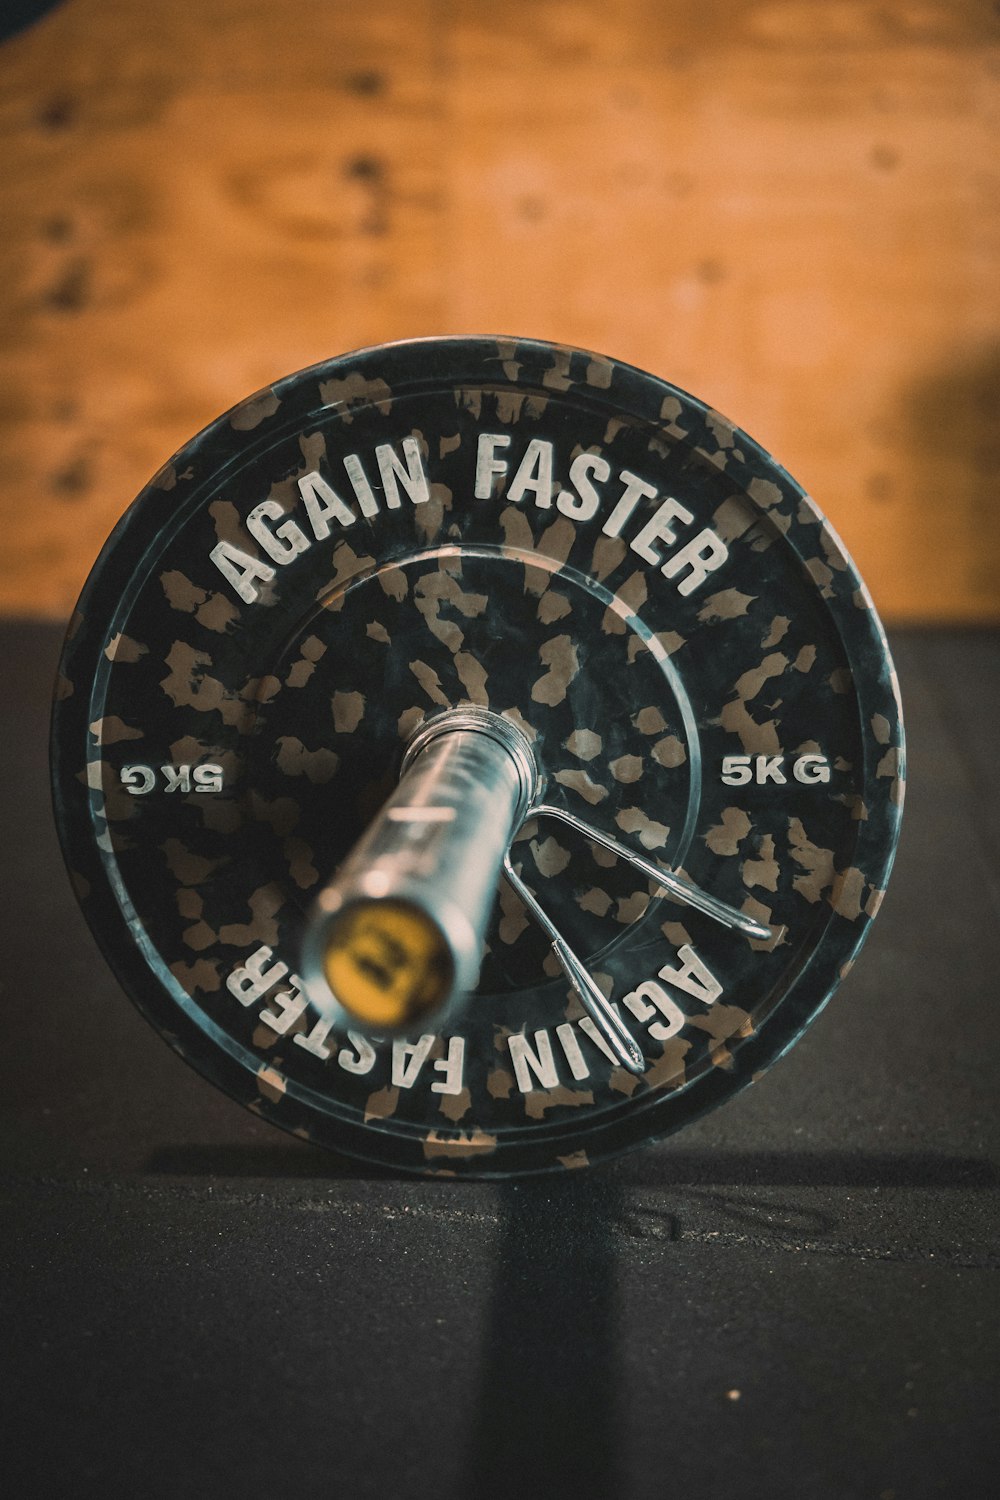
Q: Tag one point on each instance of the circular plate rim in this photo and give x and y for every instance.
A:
(142, 524)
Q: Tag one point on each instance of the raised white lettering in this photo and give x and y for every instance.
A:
(451, 1066)
(408, 472)
(530, 477)
(359, 1057)
(239, 570)
(314, 1041)
(649, 990)
(534, 474)
(284, 1007)
(254, 978)
(811, 769)
(528, 1060)
(208, 778)
(285, 541)
(323, 504)
(659, 529)
(583, 505)
(768, 768)
(137, 780)
(736, 770)
(636, 489)
(571, 1047)
(177, 778)
(407, 1060)
(694, 977)
(487, 463)
(703, 556)
(360, 485)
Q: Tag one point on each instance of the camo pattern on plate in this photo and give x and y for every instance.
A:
(385, 585)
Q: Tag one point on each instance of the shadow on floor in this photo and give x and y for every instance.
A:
(547, 1414)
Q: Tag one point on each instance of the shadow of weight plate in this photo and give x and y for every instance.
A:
(529, 551)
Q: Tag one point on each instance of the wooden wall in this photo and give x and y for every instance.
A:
(789, 207)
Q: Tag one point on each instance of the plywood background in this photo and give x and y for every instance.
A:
(789, 207)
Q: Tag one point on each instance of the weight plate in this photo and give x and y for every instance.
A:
(565, 541)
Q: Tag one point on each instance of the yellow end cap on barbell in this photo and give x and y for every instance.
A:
(387, 963)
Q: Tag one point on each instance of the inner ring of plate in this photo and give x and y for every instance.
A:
(367, 734)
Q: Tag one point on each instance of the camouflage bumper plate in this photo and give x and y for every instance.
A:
(564, 540)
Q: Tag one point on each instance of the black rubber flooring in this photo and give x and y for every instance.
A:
(795, 1297)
